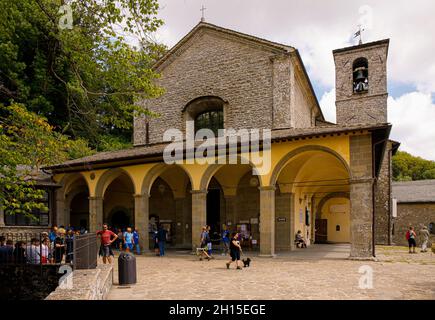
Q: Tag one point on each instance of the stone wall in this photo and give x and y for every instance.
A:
(361, 197)
(383, 225)
(247, 204)
(23, 229)
(28, 282)
(412, 214)
(283, 211)
(213, 65)
(89, 284)
(257, 83)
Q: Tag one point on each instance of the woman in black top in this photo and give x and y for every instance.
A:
(235, 250)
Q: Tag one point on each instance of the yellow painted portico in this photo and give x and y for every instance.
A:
(314, 176)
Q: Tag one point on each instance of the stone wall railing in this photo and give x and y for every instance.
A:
(87, 284)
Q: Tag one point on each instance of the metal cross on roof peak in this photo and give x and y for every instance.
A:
(202, 9)
(359, 34)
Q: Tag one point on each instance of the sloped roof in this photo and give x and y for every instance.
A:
(278, 47)
(206, 25)
(414, 191)
(152, 153)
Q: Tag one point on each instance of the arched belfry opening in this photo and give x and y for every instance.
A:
(360, 75)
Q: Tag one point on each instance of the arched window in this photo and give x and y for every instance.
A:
(432, 228)
(207, 113)
(213, 120)
(360, 75)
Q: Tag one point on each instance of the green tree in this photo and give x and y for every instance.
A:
(86, 80)
(407, 167)
(28, 142)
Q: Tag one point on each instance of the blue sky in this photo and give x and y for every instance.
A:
(316, 28)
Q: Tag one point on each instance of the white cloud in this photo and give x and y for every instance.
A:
(412, 116)
(413, 119)
(327, 103)
(318, 27)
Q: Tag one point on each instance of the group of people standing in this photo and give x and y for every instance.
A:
(127, 240)
(48, 247)
(411, 236)
(231, 243)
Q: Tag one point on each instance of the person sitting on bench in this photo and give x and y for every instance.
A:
(299, 240)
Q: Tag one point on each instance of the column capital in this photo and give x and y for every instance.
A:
(267, 188)
(95, 198)
(362, 180)
(198, 191)
(141, 195)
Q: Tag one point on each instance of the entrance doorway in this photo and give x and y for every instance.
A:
(321, 231)
(120, 220)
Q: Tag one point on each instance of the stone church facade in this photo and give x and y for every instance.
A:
(331, 181)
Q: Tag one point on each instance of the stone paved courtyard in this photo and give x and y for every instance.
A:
(319, 272)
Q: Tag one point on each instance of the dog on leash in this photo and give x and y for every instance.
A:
(246, 262)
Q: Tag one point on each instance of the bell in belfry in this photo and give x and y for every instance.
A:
(360, 79)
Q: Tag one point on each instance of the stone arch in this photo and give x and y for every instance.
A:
(286, 159)
(330, 196)
(197, 97)
(154, 173)
(213, 168)
(108, 177)
(68, 182)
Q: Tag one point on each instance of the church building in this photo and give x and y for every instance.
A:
(331, 181)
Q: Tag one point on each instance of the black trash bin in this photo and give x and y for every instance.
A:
(126, 269)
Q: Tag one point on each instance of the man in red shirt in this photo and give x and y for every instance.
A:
(106, 240)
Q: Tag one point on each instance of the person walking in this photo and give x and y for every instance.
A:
(136, 240)
(411, 237)
(235, 250)
(161, 236)
(107, 238)
(424, 235)
(225, 239)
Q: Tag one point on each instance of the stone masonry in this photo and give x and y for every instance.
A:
(368, 107)
(383, 224)
(361, 197)
(255, 80)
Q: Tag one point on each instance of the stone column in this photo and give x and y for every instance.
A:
(141, 220)
(180, 220)
(292, 221)
(199, 215)
(361, 198)
(230, 214)
(61, 212)
(95, 213)
(283, 210)
(267, 221)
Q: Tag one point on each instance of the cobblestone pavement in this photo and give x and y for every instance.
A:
(320, 272)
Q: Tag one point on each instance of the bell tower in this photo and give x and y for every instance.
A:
(361, 83)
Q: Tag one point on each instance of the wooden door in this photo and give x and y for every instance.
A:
(321, 230)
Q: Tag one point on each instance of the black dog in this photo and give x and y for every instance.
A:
(246, 262)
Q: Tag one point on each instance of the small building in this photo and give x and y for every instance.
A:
(413, 205)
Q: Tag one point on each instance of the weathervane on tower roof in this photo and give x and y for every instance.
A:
(202, 17)
(358, 34)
